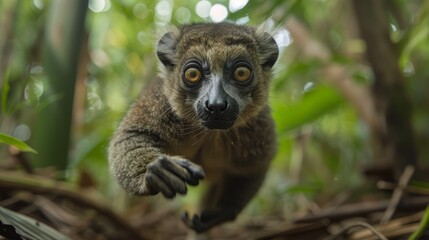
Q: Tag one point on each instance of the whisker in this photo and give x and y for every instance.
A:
(199, 134)
(165, 112)
(193, 130)
(229, 139)
(211, 135)
(239, 117)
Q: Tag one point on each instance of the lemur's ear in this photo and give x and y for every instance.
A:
(166, 49)
(268, 48)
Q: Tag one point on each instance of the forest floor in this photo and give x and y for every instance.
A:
(76, 216)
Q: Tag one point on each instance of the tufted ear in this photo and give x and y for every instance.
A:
(268, 49)
(166, 49)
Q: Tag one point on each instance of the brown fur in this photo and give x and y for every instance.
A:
(163, 123)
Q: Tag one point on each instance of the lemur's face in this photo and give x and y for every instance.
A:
(218, 74)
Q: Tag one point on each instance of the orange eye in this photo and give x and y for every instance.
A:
(241, 74)
(193, 75)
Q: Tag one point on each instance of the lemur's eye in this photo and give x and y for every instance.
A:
(193, 75)
(241, 74)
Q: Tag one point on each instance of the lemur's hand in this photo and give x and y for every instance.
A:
(169, 175)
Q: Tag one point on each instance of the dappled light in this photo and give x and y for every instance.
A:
(218, 13)
(202, 8)
(98, 6)
(235, 5)
(348, 95)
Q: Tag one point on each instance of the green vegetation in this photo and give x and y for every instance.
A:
(68, 74)
(6, 139)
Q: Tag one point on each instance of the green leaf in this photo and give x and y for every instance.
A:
(417, 33)
(424, 224)
(24, 227)
(315, 104)
(16, 143)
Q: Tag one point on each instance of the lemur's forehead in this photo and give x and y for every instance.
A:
(213, 37)
(210, 35)
(216, 31)
(218, 56)
(217, 44)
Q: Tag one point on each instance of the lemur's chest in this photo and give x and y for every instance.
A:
(214, 151)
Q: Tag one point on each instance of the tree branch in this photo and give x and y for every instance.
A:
(16, 182)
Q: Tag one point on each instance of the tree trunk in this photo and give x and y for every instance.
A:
(62, 46)
(394, 144)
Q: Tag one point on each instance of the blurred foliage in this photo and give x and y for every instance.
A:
(423, 226)
(22, 146)
(322, 142)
